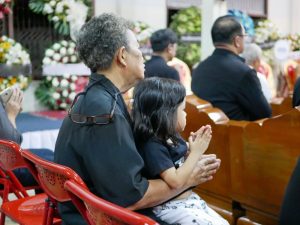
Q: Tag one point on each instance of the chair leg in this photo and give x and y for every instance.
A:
(45, 218)
(50, 213)
(2, 218)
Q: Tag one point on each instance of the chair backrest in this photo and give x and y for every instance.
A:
(10, 159)
(51, 176)
(99, 211)
(10, 156)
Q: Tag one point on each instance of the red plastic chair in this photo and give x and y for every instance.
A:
(25, 209)
(101, 212)
(51, 177)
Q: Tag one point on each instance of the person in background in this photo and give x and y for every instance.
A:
(164, 45)
(184, 73)
(8, 131)
(296, 93)
(96, 139)
(225, 80)
(158, 118)
(290, 207)
(252, 54)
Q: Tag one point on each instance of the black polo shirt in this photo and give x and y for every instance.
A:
(157, 67)
(104, 156)
(159, 156)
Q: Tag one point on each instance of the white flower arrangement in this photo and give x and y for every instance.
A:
(12, 52)
(58, 91)
(265, 32)
(67, 15)
(61, 52)
(14, 64)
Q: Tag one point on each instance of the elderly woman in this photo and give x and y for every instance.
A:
(96, 139)
(253, 54)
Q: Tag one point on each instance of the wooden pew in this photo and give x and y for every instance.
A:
(281, 105)
(261, 164)
(245, 221)
(217, 191)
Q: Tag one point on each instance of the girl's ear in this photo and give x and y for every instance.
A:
(121, 56)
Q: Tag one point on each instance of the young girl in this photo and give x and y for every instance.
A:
(158, 115)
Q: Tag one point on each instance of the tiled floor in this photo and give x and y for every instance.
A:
(9, 222)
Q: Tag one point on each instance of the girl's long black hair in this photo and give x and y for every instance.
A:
(154, 109)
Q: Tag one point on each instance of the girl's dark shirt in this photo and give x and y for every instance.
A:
(159, 156)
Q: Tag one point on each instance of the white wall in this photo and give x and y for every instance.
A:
(279, 12)
(295, 16)
(285, 14)
(211, 10)
(152, 12)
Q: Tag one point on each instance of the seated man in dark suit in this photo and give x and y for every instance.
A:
(296, 94)
(225, 80)
(163, 43)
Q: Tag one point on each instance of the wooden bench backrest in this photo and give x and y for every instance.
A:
(281, 106)
(262, 164)
(197, 116)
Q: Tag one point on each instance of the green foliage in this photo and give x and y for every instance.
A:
(189, 53)
(62, 27)
(44, 94)
(37, 6)
(187, 22)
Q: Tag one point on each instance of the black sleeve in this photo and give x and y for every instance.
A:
(251, 98)
(113, 162)
(174, 74)
(291, 203)
(7, 131)
(157, 158)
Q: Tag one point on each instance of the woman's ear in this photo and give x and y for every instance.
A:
(121, 57)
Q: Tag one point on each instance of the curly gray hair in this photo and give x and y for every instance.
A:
(100, 38)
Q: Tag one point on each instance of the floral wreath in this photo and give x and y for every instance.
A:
(68, 15)
(265, 32)
(15, 66)
(58, 91)
(295, 41)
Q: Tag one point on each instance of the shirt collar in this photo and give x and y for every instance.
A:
(106, 83)
(222, 51)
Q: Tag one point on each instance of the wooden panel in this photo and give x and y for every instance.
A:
(261, 164)
(281, 105)
(199, 113)
(245, 221)
(227, 215)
